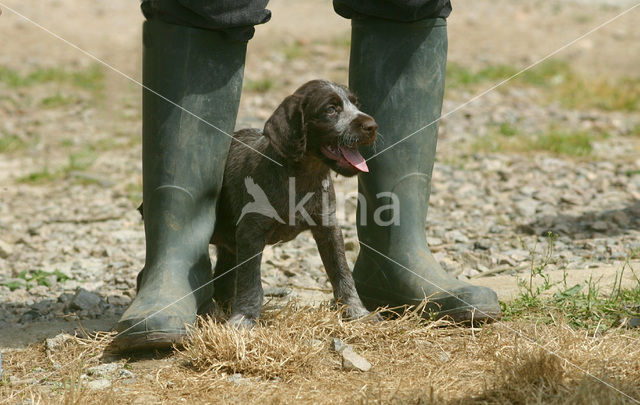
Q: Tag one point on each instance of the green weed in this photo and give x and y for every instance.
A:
(90, 78)
(78, 161)
(11, 143)
(36, 277)
(507, 129)
(507, 138)
(582, 305)
(259, 86)
(58, 100)
(557, 82)
(294, 50)
(564, 143)
(38, 177)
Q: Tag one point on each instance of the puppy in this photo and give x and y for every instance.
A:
(315, 130)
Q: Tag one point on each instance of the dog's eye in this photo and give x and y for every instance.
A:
(331, 110)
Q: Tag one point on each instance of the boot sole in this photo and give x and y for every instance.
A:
(471, 316)
(147, 341)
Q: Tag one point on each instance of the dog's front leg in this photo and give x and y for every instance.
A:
(247, 302)
(331, 248)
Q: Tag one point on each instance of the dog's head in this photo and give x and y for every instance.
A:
(322, 120)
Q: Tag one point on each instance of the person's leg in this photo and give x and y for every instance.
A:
(193, 78)
(397, 69)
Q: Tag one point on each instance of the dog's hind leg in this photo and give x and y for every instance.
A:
(224, 277)
(247, 301)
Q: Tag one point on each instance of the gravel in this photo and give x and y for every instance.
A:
(71, 248)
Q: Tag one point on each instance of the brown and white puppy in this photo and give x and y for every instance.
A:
(316, 129)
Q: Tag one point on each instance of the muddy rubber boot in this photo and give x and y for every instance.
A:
(397, 71)
(183, 162)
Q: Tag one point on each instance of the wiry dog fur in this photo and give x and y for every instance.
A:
(319, 116)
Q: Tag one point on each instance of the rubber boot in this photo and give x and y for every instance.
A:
(398, 71)
(183, 160)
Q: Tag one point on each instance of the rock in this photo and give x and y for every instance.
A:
(339, 345)
(350, 359)
(527, 207)
(99, 384)
(103, 369)
(353, 361)
(5, 249)
(126, 374)
(444, 356)
(483, 244)
(571, 199)
(456, 236)
(600, 226)
(119, 300)
(85, 300)
(278, 292)
(55, 343)
(239, 379)
(621, 219)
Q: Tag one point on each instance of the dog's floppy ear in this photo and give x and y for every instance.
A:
(285, 129)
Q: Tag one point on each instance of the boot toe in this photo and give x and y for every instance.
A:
(139, 332)
(470, 303)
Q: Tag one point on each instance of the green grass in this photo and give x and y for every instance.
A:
(58, 100)
(36, 277)
(507, 138)
(11, 143)
(134, 192)
(565, 143)
(89, 78)
(79, 160)
(557, 81)
(43, 175)
(295, 50)
(583, 305)
(259, 86)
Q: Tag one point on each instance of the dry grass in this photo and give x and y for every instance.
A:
(292, 341)
(288, 359)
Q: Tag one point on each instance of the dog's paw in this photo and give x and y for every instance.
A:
(242, 322)
(353, 312)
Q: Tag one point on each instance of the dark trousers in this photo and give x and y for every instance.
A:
(236, 18)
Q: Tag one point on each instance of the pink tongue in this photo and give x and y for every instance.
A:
(355, 158)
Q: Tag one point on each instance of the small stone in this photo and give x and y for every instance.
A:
(103, 369)
(599, 226)
(126, 374)
(483, 244)
(5, 249)
(456, 236)
(85, 300)
(119, 300)
(444, 356)
(315, 342)
(278, 292)
(56, 342)
(571, 199)
(339, 345)
(527, 208)
(634, 322)
(99, 384)
(237, 378)
(621, 219)
(353, 361)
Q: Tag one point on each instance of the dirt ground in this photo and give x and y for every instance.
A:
(70, 180)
